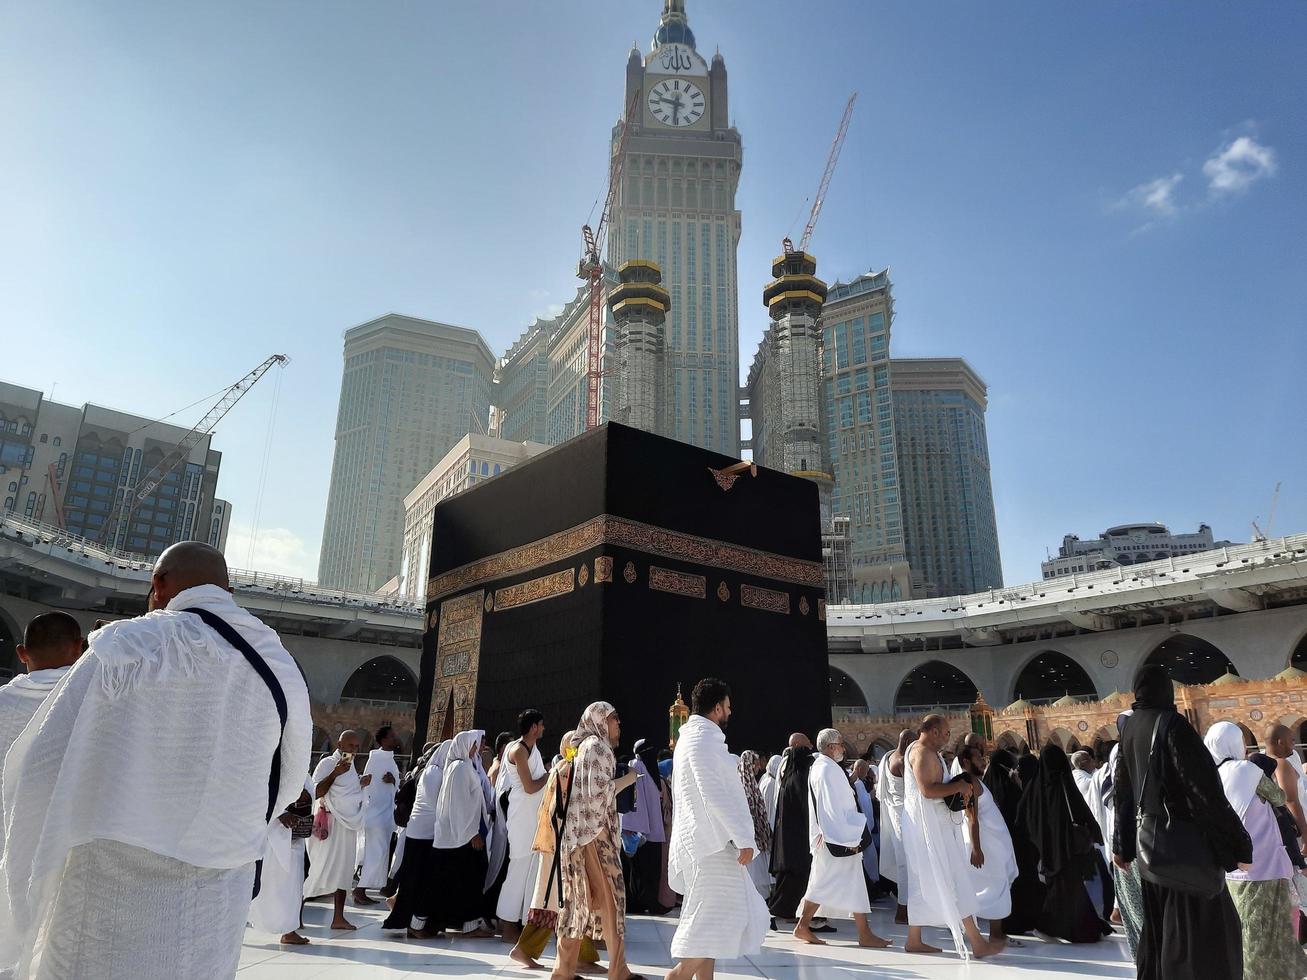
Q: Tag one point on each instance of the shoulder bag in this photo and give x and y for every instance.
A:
(840, 850)
(228, 633)
(1173, 852)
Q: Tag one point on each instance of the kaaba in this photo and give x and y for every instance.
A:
(618, 567)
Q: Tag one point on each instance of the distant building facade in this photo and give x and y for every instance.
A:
(1127, 544)
(858, 423)
(78, 469)
(411, 389)
(945, 490)
(541, 381)
(474, 459)
(220, 524)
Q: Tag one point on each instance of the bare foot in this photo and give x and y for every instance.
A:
(1116, 917)
(361, 898)
(478, 933)
(293, 939)
(873, 941)
(986, 948)
(592, 969)
(342, 925)
(390, 902)
(921, 948)
(901, 915)
(518, 956)
(805, 935)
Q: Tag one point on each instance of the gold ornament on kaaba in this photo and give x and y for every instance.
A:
(723, 592)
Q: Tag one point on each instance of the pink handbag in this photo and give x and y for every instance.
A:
(322, 823)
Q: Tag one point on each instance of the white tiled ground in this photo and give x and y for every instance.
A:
(369, 955)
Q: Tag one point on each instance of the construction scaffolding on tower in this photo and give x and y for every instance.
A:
(591, 269)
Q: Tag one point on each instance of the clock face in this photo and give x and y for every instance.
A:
(676, 102)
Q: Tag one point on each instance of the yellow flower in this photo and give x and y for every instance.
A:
(569, 753)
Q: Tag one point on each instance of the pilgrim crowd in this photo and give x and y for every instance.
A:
(135, 847)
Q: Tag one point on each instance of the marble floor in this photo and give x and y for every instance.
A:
(368, 954)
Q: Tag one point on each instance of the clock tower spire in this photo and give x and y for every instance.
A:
(673, 27)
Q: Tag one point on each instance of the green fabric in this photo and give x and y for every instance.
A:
(1130, 900)
(1270, 951)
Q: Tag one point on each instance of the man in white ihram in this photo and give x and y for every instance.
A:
(836, 884)
(338, 789)
(136, 800)
(712, 843)
(378, 816)
(51, 644)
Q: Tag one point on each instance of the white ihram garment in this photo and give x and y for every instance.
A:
(893, 861)
(523, 862)
(19, 700)
(992, 882)
(939, 893)
(276, 909)
(722, 915)
(373, 856)
(332, 861)
(835, 883)
(136, 798)
(870, 860)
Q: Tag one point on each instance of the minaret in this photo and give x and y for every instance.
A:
(639, 306)
(794, 300)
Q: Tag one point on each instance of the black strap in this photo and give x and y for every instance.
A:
(1148, 768)
(225, 630)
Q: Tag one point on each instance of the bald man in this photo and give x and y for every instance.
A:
(137, 800)
(338, 789)
(1289, 775)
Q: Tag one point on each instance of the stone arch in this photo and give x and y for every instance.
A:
(1011, 741)
(1050, 675)
(1190, 659)
(845, 692)
(10, 634)
(934, 684)
(1065, 740)
(382, 678)
(1298, 657)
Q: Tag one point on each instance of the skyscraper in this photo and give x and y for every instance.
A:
(675, 205)
(859, 428)
(74, 467)
(943, 455)
(411, 389)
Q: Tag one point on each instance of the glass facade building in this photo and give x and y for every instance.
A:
(943, 455)
(411, 389)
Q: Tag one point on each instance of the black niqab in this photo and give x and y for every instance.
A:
(1153, 688)
(1051, 808)
(1001, 783)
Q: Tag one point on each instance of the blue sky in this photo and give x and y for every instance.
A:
(1100, 205)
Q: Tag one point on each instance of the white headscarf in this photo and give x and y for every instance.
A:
(459, 808)
(486, 789)
(1239, 777)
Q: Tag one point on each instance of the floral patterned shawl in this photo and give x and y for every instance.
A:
(749, 776)
(592, 808)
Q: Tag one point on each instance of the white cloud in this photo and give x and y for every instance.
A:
(1237, 165)
(1156, 196)
(275, 549)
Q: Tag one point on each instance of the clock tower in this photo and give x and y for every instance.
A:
(675, 206)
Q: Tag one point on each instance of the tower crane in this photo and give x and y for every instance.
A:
(131, 498)
(1259, 535)
(832, 158)
(591, 269)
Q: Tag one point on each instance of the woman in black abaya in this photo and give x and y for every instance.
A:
(1003, 780)
(1184, 936)
(1064, 832)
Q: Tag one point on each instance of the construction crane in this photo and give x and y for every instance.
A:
(1259, 535)
(591, 269)
(831, 159)
(131, 497)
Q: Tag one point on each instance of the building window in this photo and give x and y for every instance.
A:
(45, 436)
